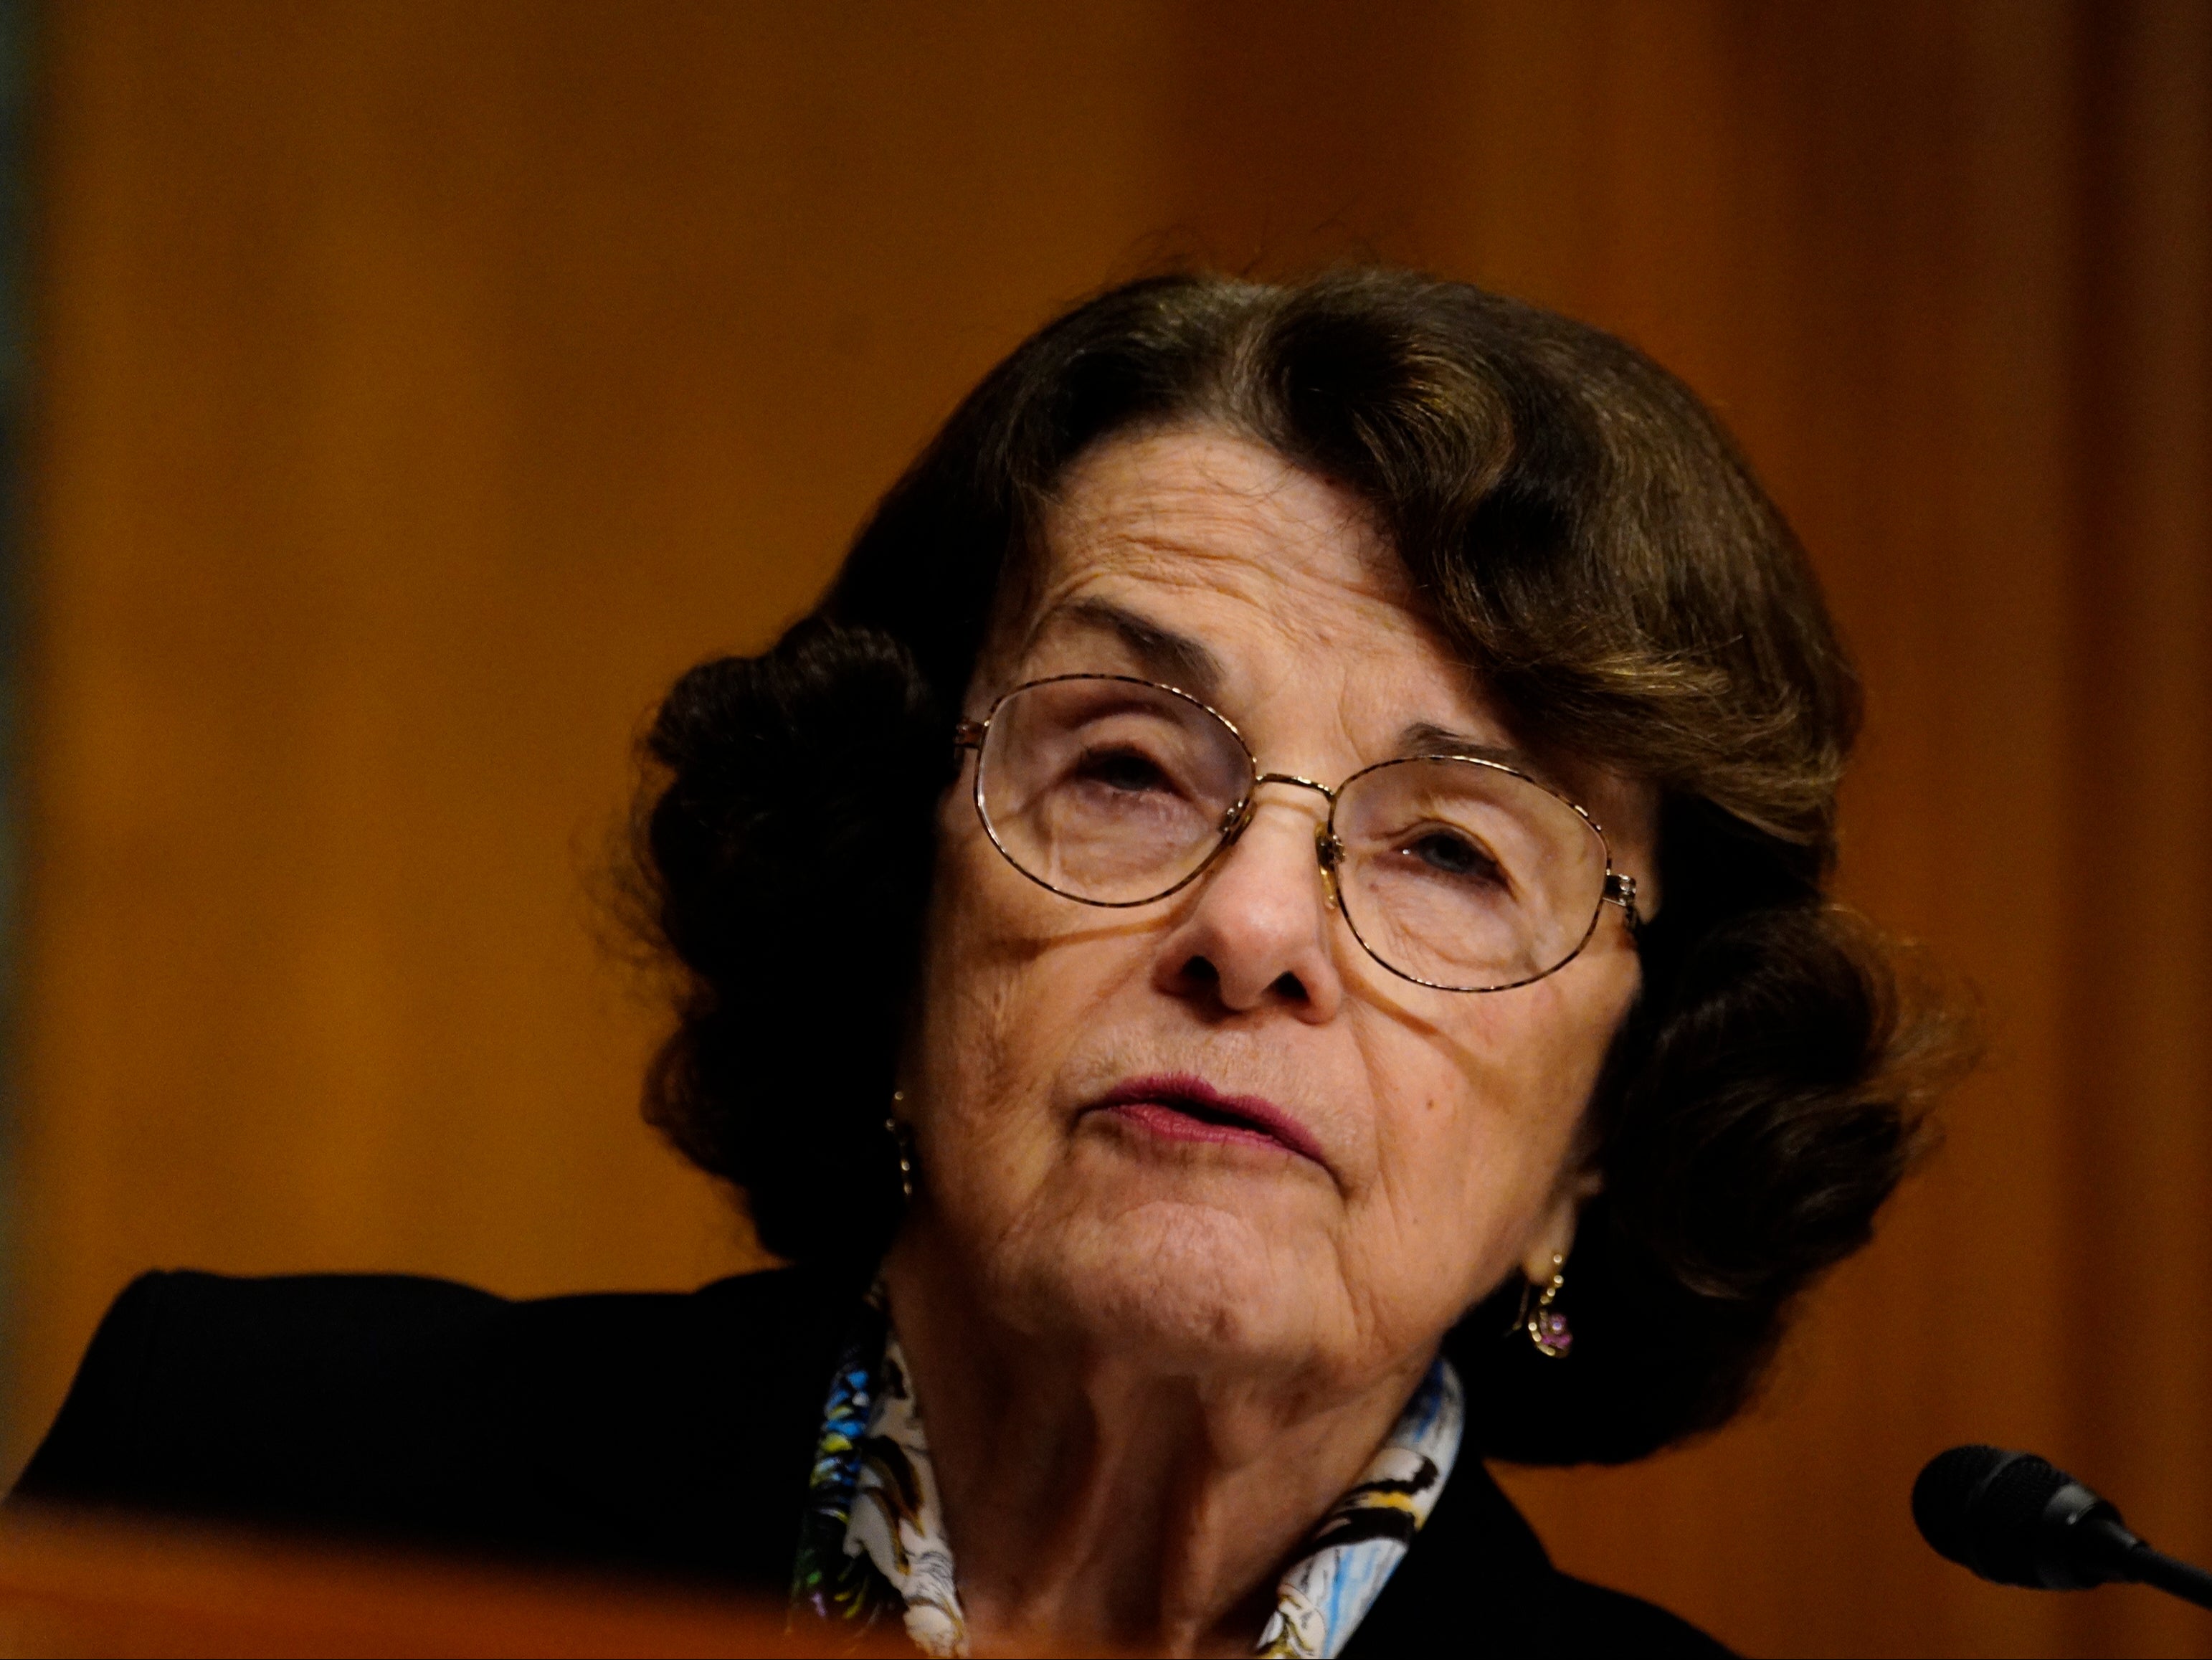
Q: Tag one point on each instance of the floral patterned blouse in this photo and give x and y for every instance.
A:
(872, 1544)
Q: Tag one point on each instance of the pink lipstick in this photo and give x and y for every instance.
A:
(1178, 1107)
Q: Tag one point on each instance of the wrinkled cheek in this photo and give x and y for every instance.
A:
(968, 959)
(1554, 1054)
(1453, 1208)
(979, 1098)
(1473, 1167)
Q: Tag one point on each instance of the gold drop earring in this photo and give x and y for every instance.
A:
(902, 1145)
(1547, 1326)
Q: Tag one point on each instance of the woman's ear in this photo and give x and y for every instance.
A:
(1553, 1236)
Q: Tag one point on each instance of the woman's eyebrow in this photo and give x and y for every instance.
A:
(1426, 738)
(1184, 662)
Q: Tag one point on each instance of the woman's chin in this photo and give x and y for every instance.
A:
(1184, 1286)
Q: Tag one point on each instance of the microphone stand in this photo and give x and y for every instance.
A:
(2138, 1562)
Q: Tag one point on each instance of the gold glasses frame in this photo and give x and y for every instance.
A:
(1617, 888)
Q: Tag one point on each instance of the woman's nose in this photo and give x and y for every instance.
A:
(1258, 929)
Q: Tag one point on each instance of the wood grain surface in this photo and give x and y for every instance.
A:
(421, 384)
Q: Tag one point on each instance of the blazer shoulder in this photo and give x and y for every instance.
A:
(629, 1427)
(1594, 1620)
(1477, 1570)
(195, 1383)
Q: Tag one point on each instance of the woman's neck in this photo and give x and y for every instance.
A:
(1093, 1498)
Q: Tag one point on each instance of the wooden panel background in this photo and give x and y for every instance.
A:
(420, 386)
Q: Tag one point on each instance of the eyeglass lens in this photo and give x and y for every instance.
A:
(1452, 873)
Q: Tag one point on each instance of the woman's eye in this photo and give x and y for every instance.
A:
(1120, 769)
(1454, 855)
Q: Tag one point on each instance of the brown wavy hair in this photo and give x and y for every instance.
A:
(1588, 538)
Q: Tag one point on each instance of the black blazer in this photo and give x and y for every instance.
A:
(663, 1432)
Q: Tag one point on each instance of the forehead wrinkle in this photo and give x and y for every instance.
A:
(1314, 608)
(1186, 663)
(1292, 555)
(1206, 460)
(1325, 628)
(1208, 536)
(1196, 491)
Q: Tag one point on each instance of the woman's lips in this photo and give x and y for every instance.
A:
(1181, 1108)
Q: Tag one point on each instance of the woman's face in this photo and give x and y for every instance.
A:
(1429, 1141)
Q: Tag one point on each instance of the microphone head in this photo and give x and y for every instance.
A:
(1991, 1510)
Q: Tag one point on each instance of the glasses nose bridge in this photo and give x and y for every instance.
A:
(1240, 816)
(1296, 781)
(1325, 844)
(1326, 849)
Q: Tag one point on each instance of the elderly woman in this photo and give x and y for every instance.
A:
(1264, 945)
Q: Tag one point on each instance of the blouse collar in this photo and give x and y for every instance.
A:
(873, 1541)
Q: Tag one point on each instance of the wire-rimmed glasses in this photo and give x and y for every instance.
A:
(1452, 872)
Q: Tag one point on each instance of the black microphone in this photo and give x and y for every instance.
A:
(2014, 1519)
